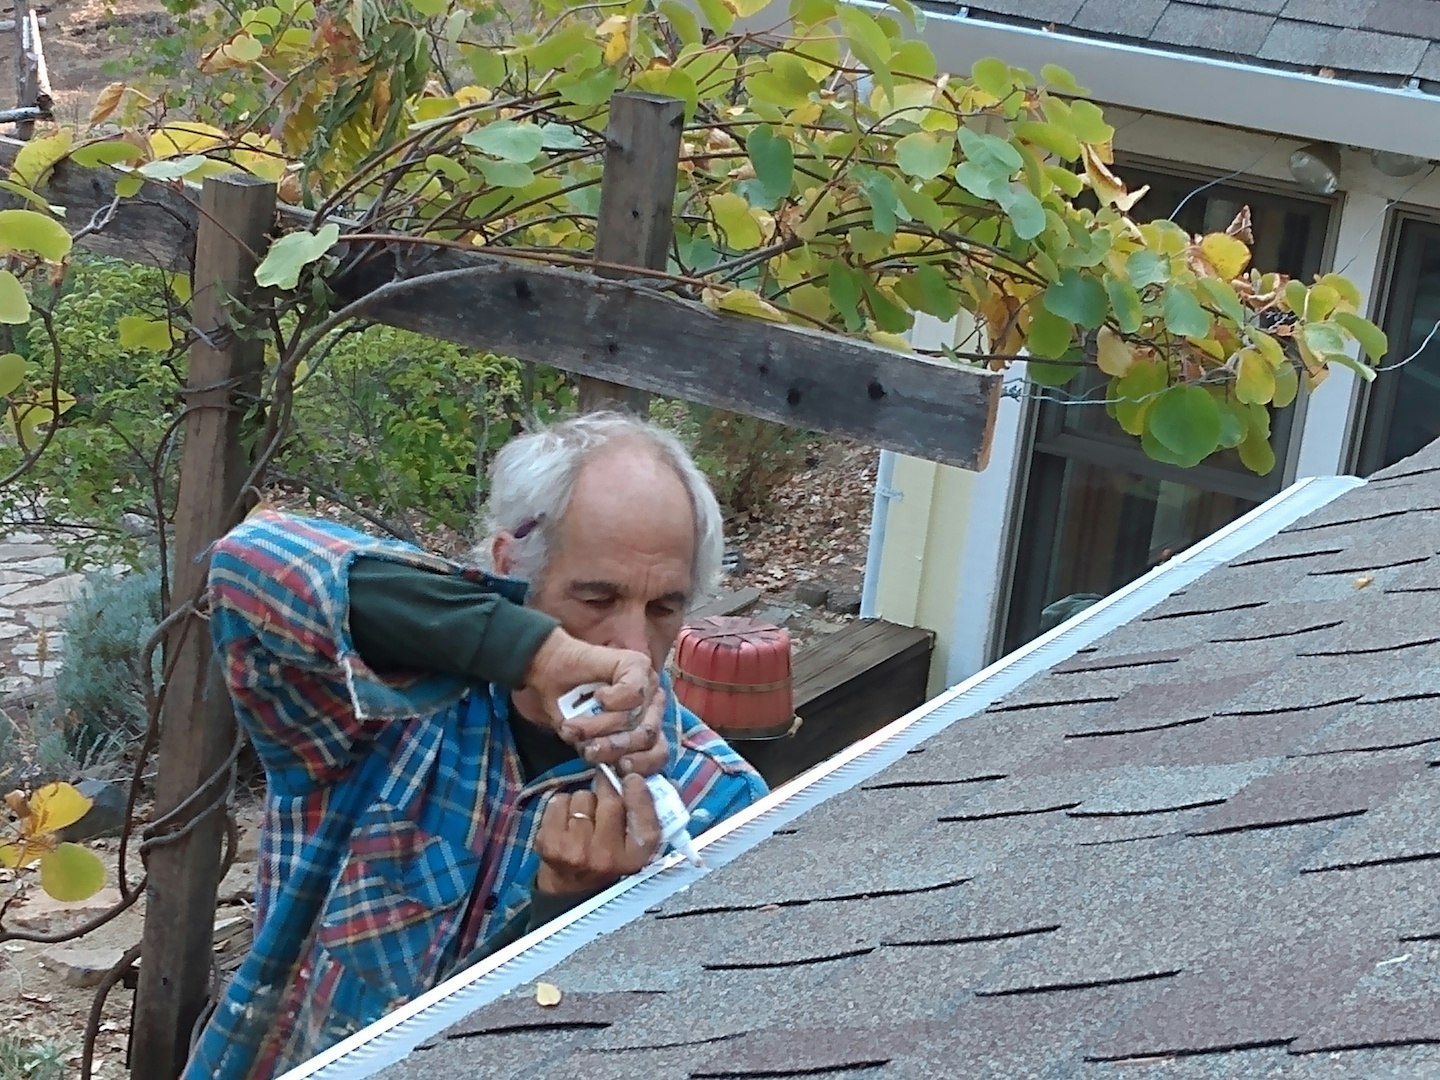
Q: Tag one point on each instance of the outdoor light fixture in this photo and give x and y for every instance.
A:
(1316, 168)
(1393, 164)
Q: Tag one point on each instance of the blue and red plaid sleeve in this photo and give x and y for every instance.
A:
(279, 604)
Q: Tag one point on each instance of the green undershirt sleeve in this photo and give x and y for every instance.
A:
(406, 619)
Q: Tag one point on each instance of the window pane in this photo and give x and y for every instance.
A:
(1404, 414)
(1110, 526)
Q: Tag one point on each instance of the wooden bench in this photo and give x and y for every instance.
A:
(847, 686)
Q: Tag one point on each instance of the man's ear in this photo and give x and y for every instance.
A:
(502, 553)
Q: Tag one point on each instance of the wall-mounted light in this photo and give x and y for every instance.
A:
(1393, 164)
(1316, 168)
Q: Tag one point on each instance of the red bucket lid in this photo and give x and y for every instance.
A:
(734, 673)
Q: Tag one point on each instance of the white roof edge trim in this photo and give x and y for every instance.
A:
(1305, 107)
(394, 1036)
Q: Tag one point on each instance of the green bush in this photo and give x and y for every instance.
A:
(22, 1059)
(99, 692)
(394, 424)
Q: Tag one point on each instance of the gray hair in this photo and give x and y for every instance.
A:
(534, 475)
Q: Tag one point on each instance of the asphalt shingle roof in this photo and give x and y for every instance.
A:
(1385, 42)
(1208, 846)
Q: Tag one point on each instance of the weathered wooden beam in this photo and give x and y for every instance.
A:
(616, 331)
(611, 330)
(199, 729)
(155, 227)
(635, 224)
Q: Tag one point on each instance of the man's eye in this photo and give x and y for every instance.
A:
(663, 611)
(600, 602)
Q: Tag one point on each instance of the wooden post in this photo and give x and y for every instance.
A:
(27, 74)
(637, 205)
(237, 213)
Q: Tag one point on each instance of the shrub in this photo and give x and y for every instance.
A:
(22, 1059)
(99, 692)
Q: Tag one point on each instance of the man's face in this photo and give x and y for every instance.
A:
(619, 571)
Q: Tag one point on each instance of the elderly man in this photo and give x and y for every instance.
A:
(426, 804)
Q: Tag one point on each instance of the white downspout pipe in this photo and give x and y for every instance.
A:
(875, 551)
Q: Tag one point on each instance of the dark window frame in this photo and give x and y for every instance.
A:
(1394, 294)
(1045, 447)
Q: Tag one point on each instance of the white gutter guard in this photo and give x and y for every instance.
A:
(393, 1037)
(1272, 100)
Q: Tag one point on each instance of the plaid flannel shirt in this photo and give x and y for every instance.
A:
(398, 838)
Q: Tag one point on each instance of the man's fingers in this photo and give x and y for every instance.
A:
(644, 831)
(582, 816)
(609, 817)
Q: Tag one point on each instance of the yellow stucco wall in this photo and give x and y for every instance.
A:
(924, 537)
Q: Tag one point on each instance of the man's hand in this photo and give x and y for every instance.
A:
(584, 842)
(629, 734)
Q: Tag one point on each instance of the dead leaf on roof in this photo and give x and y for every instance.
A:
(1362, 582)
(547, 995)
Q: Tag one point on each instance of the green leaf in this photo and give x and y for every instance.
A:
(507, 140)
(506, 174)
(1345, 360)
(289, 255)
(718, 16)
(1222, 295)
(146, 335)
(1322, 338)
(12, 373)
(1027, 216)
(921, 207)
(14, 304)
(428, 8)
(884, 203)
(993, 76)
(870, 45)
(71, 872)
(1256, 453)
(1051, 137)
(990, 153)
(1186, 421)
(924, 154)
(1184, 316)
(1147, 268)
(1062, 80)
(30, 230)
(845, 291)
(1088, 124)
(977, 181)
(1079, 299)
(1045, 374)
(1125, 303)
(682, 20)
(927, 289)
(774, 161)
(561, 137)
(173, 168)
(447, 167)
(887, 314)
(1254, 378)
(1137, 392)
(1371, 338)
(109, 152)
(1049, 336)
(1287, 385)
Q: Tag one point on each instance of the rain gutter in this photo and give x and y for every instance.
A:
(1307, 107)
(394, 1037)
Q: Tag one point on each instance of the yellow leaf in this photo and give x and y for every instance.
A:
(617, 48)
(1113, 354)
(1108, 187)
(38, 157)
(547, 995)
(898, 342)
(735, 226)
(57, 805)
(1364, 582)
(1226, 254)
(107, 102)
(189, 137)
(12, 373)
(743, 302)
(14, 304)
(71, 873)
(14, 856)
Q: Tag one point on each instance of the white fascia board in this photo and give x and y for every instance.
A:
(1305, 107)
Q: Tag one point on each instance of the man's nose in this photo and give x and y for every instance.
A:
(628, 631)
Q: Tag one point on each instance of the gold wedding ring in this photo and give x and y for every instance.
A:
(582, 817)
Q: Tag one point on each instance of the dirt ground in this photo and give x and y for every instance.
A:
(80, 38)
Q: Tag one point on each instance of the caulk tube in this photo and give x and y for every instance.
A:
(670, 809)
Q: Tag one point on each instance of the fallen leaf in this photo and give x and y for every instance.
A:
(1363, 582)
(547, 995)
